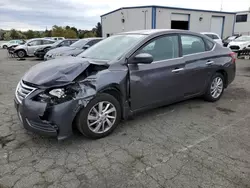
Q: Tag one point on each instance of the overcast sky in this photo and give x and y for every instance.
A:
(84, 14)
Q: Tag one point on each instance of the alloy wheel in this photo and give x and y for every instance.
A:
(101, 117)
(216, 87)
(20, 54)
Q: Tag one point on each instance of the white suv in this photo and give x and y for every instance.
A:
(213, 36)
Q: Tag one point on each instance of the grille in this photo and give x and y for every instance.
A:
(235, 47)
(23, 90)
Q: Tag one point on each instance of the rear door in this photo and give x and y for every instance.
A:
(160, 82)
(198, 58)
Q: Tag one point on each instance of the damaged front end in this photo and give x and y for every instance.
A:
(51, 110)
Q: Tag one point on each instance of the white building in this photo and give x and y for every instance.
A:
(158, 17)
(242, 24)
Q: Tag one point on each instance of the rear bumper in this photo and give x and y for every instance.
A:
(231, 72)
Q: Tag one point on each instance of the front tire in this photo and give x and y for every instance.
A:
(5, 47)
(215, 88)
(21, 53)
(100, 117)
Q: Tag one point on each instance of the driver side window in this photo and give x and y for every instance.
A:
(35, 43)
(162, 48)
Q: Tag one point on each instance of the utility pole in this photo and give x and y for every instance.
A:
(221, 6)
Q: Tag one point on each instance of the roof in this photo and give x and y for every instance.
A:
(157, 31)
(208, 33)
(91, 38)
(147, 32)
(240, 12)
(166, 7)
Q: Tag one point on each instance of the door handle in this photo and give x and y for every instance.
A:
(178, 70)
(210, 63)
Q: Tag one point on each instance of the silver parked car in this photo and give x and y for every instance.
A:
(29, 48)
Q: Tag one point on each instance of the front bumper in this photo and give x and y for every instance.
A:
(47, 120)
(39, 54)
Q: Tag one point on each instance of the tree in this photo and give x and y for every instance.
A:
(7, 36)
(69, 33)
(98, 28)
(14, 34)
(57, 31)
(29, 34)
(89, 34)
(1, 34)
(47, 33)
(74, 29)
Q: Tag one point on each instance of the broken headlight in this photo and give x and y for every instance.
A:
(58, 95)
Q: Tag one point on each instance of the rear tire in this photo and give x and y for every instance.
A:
(215, 88)
(21, 53)
(5, 47)
(100, 117)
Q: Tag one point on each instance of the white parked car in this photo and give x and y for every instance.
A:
(213, 36)
(240, 43)
(55, 38)
(11, 43)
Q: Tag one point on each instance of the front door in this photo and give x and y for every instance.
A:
(33, 45)
(160, 82)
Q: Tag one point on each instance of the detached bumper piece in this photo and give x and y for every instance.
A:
(41, 127)
(11, 50)
(33, 123)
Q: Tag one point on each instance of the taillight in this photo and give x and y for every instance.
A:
(234, 56)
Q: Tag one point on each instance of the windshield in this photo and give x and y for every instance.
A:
(113, 47)
(79, 43)
(231, 38)
(243, 38)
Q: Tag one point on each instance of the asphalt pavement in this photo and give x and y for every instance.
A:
(192, 144)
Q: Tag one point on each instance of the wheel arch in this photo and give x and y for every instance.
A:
(224, 73)
(21, 50)
(113, 90)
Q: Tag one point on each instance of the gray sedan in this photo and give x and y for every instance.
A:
(120, 76)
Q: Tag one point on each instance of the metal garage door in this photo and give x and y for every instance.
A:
(217, 25)
(180, 17)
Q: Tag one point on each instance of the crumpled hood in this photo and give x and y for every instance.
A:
(57, 71)
(239, 43)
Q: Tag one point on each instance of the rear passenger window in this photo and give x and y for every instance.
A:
(215, 37)
(192, 44)
(210, 36)
(209, 44)
(163, 48)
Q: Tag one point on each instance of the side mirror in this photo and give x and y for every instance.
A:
(86, 47)
(143, 58)
(28, 44)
